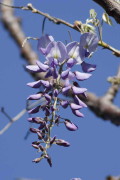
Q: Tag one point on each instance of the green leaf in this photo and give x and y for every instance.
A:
(93, 14)
(106, 19)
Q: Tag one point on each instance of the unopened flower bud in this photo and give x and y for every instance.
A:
(37, 160)
(52, 140)
(34, 130)
(62, 142)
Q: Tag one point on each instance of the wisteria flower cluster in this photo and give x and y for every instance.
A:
(59, 80)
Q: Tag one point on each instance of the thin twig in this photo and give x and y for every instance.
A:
(18, 116)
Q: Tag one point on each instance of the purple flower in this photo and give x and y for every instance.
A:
(88, 45)
(43, 43)
(56, 50)
(73, 53)
(89, 42)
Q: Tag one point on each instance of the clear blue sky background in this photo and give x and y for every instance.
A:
(95, 148)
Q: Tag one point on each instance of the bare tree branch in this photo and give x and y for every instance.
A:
(112, 7)
(55, 20)
(102, 106)
(113, 178)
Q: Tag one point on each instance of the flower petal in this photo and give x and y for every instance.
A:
(70, 126)
(88, 67)
(75, 106)
(35, 84)
(45, 83)
(71, 62)
(36, 120)
(89, 41)
(65, 74)
(33, 68)
(66, 89)
(64, 104)
(56, 50)
(35, 96)
(42, 67)
(77, 113)
(34, 110)
(79, 102)
(82, 76)
(78, 90)
(55, 92)
(62, 142)
(43, 42)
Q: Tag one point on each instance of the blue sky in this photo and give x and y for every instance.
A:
(95, 147)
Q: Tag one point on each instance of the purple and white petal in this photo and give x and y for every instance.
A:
(45, 83)
(88, 67)
(77, 113)
(47, 97)
(78, 90)
(72, 49)
(64, 104)
(34, 110)
(75, 106)
(82, 76)
(55, 73)
(48, 74)
(43, 42)
(36, 120)
(34, 130)
(47, 111)
(66, 89)
(42, 67)
(71, 62)
(70, 126)
(55, 92)
(62, 142)
(33, 68)
(89, 41)
(56, 50)
(34, 96)
(65, 74)
(35, 84)
(63, 51)
(79, 102)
